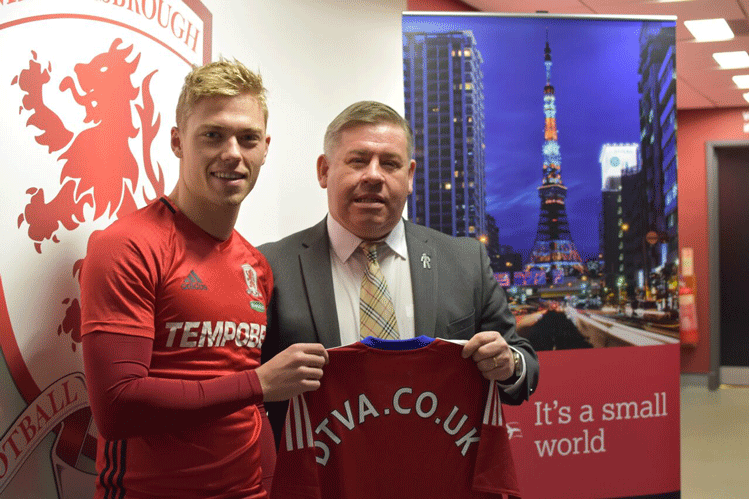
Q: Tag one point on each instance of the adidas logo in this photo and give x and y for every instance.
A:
(192, 281)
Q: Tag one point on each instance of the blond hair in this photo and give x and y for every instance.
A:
(365, 113)
(219, 78)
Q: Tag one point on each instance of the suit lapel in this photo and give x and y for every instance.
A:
(422, 259)
(317, 276)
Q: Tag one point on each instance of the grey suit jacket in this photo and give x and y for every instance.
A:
(455, 295)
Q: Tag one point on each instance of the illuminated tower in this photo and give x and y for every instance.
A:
(553, 249)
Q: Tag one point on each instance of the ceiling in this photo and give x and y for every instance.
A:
(701, 83)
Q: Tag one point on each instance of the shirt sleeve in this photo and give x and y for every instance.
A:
(494, 471)
(127, 402)
(296, 466)
(118, 282)
(497, 316)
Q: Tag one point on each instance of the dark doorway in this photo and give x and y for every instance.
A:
(732, 164)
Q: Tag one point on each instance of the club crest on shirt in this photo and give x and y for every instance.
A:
(250, 278)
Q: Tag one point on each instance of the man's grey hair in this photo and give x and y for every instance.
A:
(365, 113)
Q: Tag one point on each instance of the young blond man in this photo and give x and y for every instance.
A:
(173, 304)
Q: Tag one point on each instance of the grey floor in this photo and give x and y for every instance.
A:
(714, 442)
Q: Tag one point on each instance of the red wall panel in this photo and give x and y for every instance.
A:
(696, 127)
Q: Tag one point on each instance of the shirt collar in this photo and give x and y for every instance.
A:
(344, 243)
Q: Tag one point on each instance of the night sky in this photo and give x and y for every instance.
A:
(594, 73)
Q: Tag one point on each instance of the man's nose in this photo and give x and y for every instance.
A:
(231, 150)
(373, 172)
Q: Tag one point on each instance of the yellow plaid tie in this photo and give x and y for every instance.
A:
(376, 312)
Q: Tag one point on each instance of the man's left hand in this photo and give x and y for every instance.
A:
(492, 355)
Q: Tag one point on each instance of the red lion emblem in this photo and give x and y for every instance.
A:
(97, 165)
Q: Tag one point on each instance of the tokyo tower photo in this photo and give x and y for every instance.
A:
(553, 248)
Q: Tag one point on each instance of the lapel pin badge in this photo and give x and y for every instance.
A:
(426, 261)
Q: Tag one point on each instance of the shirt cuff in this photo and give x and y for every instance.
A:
(513, 388)
(256, 391)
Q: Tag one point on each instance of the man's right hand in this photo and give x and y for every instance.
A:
(296, 370)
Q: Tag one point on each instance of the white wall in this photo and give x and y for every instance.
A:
(316, 58)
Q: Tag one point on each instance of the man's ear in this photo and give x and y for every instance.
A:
(322, 171)
(411, 171)
(176, 142)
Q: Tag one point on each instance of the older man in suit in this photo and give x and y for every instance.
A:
(439, 286)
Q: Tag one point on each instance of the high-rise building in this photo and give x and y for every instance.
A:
(658, 136)
(444, 102)
(649, 204)
(553, 248)
(616, 160)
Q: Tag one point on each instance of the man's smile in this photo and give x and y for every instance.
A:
(228, 175)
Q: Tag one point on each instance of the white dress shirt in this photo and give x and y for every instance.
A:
(348, 263)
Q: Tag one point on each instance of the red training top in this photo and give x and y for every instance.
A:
(173, 320)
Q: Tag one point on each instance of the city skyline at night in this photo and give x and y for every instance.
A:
(597, 103)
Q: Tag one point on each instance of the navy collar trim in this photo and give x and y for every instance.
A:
(408, 344)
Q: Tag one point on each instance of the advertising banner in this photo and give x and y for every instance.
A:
(88, 91)
(552, 139)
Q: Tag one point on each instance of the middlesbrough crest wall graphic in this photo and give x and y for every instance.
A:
(88, 91)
